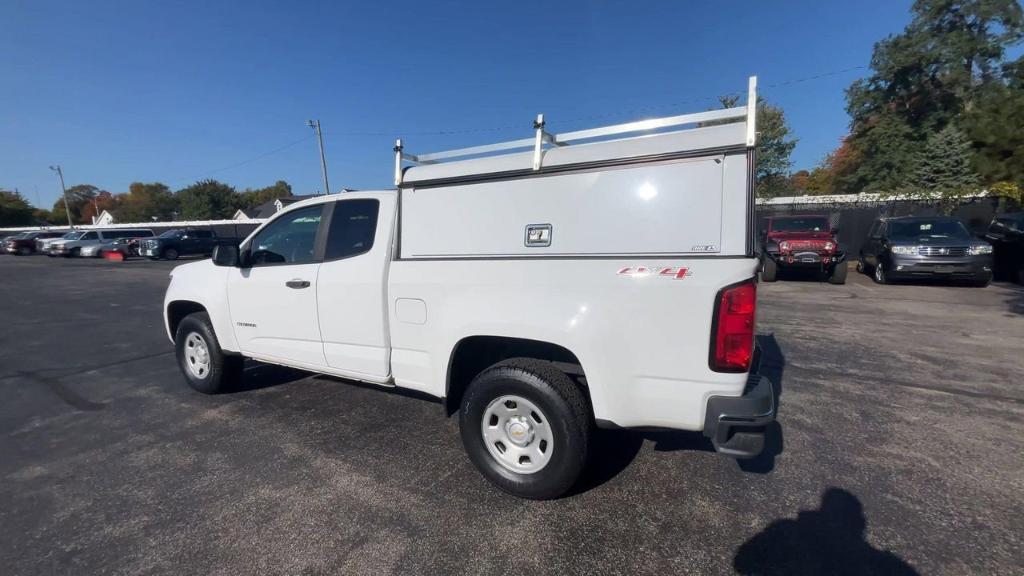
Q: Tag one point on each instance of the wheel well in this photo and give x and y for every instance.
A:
(177, 310)
(475, 353)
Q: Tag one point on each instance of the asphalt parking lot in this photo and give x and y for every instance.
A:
(899, 450)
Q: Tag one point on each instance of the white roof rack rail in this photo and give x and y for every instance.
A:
(542, 137)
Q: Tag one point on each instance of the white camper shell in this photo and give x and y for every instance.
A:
(538, 287)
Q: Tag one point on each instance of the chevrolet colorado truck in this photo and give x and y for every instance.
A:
(537, 294)
(802, 242)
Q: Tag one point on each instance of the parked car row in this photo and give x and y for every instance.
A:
(127, 242)
(898, 248)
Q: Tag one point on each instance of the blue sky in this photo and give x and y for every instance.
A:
(177, 91)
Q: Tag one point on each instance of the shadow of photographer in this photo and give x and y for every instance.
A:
(829, 540)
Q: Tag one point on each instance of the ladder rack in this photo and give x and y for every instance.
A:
(542, 136)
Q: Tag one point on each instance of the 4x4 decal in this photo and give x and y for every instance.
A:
(666, 271)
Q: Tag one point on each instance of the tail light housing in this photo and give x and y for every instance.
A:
(732, 328)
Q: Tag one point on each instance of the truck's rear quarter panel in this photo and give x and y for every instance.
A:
(642, 339)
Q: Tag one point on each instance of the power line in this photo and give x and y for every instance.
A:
(527, 124)
(633, 111)
(247, 161)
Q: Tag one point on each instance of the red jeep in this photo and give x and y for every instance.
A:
(802, 242)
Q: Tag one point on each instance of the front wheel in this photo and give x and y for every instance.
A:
(769, 270)
(205, 366)
(880, 276)
(170, 254)
(527, 428)
(838, 275)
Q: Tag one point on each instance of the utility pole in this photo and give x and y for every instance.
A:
(63, 191)
(315, 125)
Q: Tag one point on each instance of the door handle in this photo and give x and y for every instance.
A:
(297, 284)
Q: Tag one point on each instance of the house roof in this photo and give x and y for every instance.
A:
(286, 200)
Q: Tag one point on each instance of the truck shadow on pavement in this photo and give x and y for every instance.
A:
(829, 540)
(616, 449)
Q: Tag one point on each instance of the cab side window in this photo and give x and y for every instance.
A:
(352, 229)
(90, 236)
(290, 239)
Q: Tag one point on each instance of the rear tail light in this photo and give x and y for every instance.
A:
(732, 328)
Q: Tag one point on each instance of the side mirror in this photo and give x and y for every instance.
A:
(226, 255)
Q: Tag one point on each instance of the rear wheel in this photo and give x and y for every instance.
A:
(838, 275)
(769, 269)
(205, 366)
(526, 427)
(170, 254)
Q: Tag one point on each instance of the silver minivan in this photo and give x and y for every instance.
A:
(72, 244)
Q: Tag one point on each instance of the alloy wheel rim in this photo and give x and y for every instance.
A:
(197, 355)
(517, 434)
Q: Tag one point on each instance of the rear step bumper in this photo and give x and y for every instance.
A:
(736, 424)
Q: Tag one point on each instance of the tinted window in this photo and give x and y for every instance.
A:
(810, 224)
(353, 227)
(171, 234)
(928, 230)
(201, 234)
(90, 236)
(289, 239)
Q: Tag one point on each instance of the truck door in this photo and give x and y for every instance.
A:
(273, 300)
(351, 286)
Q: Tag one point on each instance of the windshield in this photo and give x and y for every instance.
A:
(809, 224)
(171, 234)
(928, 230)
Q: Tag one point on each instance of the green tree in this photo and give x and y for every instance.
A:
(995, 125)
(943, 63)
(774, 148)
(254, 197)
(146, 202)
(208, 200)
(14, 210)
(944, 163)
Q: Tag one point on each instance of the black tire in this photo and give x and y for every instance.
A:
(75, 253)
(838, 275)
(769, 269)
(982, 283)
(223, 371)
(1019, 276)
(170, 254)
(24, 251)
(880, 276)
(562, 403)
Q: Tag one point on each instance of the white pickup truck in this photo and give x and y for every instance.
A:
(587, 282)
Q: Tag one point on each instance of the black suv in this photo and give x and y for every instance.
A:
(925, 247)
(1006, 233)
(179, 242)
